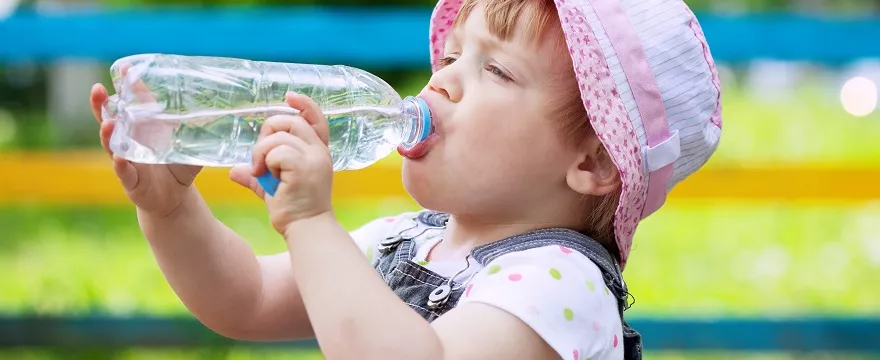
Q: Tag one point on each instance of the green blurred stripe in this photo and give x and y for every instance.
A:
(721, 259)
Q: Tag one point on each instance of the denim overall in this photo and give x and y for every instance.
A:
(431, 294)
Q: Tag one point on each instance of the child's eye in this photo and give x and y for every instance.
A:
(497, 72)
(446, 61)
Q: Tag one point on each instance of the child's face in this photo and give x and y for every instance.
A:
(497, 151)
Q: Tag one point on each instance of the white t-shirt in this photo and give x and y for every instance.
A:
(556, 291)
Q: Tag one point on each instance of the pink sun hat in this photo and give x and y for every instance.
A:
(649, 85)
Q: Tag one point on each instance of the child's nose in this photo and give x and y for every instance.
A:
(444, 83)
(440, 90)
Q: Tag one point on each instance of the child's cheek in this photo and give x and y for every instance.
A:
(474, 131)
(486, 142)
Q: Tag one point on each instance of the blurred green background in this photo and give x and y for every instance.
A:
(717, 256)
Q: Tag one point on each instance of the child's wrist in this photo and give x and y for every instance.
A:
(189, 201)
(309, 224)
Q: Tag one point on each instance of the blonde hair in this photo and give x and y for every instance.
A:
(539, 19)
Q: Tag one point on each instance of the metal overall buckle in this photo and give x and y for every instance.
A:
(390, 243)
(440, 295)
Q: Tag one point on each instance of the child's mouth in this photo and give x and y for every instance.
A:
(421, 149)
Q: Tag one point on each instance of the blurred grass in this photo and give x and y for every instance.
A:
(691, 259)
(807, 127)
(71, 260)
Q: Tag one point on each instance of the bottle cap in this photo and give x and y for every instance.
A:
(426, 118)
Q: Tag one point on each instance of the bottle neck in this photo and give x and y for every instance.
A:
(418, 121)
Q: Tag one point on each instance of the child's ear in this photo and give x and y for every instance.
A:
(593, 172)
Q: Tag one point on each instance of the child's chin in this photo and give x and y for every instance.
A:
(420, 185)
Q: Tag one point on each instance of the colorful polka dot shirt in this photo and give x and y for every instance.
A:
(557, 292)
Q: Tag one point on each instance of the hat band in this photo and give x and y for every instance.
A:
(662, 149)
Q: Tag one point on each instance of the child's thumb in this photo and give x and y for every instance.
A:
(126, 172)
(241, 175)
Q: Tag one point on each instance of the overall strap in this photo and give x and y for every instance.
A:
(402, 251)
(394, 249)
(548, 237)
(592, 249)
(433, 218)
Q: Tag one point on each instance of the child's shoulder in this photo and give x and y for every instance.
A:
(560, 293)
(555, 265)
(554, 272)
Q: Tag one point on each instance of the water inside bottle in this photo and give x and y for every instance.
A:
(358, 135)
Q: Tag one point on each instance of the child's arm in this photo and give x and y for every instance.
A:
(355, 315)
(220, 280)
(352, 311)
(212, 270)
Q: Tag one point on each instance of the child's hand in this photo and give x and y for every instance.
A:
(156, 190)
(294, 149)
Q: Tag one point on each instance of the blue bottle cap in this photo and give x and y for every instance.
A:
(426, 118)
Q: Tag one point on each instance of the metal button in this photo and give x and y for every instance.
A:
(389, 244)
(439, 296)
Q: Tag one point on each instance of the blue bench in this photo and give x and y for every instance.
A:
(370, 37)
(741, 335)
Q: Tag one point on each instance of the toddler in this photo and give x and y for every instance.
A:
(558, 126)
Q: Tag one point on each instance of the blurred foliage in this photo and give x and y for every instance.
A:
(690, 259)
(807, 127)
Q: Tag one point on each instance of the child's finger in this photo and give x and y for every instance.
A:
(303, 130)
(277, 123)
(105, 131)
(97, 97)
(242, 175)
(126, 172)
(139, 88)
(265, 145)
(312, 113)
(295, 125)
(282, 157)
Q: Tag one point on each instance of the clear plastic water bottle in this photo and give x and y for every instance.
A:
(172, 109)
